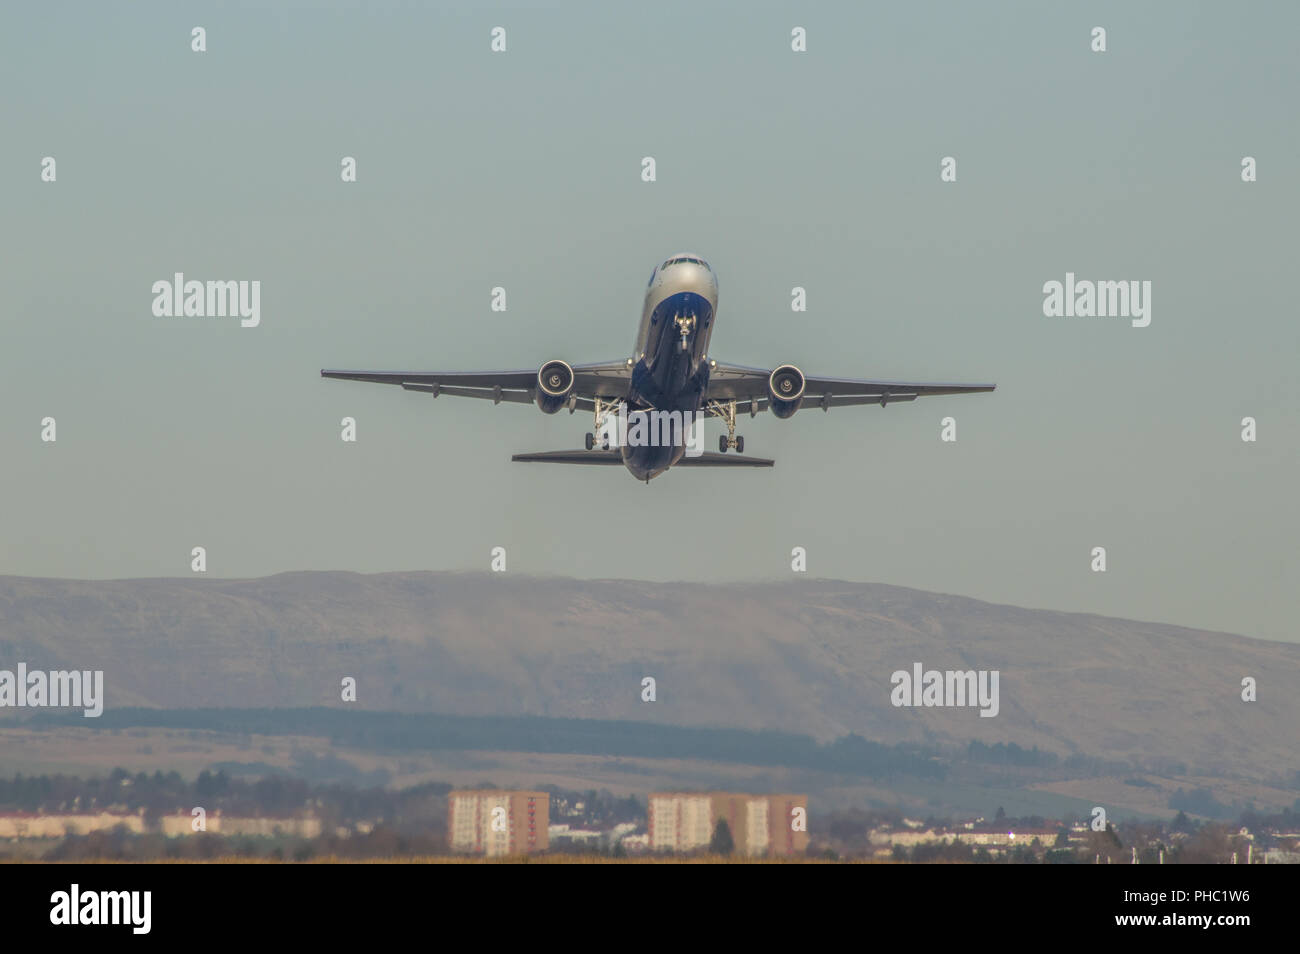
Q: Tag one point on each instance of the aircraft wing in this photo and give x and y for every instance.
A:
(748, 387)
(608, 379)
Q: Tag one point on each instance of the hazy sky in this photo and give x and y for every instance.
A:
(522, 169)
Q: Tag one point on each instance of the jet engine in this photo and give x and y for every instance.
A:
(785, 390)
(554, 385)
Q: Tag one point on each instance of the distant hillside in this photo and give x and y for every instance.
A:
(424, 732)
(805, 656)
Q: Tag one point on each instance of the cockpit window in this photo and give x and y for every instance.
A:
(687, 258)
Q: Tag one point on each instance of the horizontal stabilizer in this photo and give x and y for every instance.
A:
(724, 460)
(616, 457)
(573, 457)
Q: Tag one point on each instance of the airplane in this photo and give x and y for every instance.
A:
(670, 371)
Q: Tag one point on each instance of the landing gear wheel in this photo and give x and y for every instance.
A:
(727, 411)
(591, 440)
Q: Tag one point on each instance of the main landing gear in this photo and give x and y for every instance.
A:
(727, 411)
(604, 409)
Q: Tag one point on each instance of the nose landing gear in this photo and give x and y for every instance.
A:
(685, 325)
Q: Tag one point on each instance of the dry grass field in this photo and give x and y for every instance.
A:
(511, 860)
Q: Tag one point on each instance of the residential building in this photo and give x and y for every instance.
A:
(761, 825)
(495, 822)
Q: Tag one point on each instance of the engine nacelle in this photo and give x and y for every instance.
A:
(554, 385)
(785, 390)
